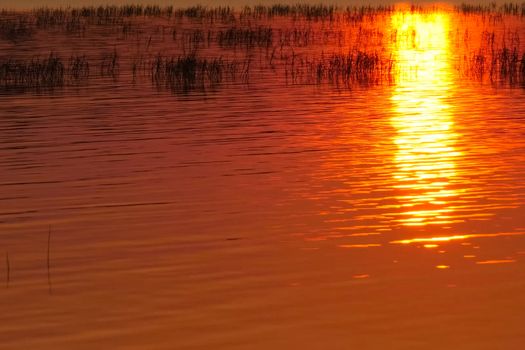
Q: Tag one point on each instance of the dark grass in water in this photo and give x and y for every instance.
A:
(36, 73)
(493, 9)
(299, 44)
(16, 29)
(190, 72)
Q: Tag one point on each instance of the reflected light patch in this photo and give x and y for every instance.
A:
(426, 156)
(442, 267)
(430, 246)
(502, 261)
(359, 245)
(455, 237)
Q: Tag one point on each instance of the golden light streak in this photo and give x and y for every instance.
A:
(425, 137)
(455, 237)
(431, 246)
(359, 245)
(502, 261)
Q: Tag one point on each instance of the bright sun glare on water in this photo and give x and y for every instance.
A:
(423, 120)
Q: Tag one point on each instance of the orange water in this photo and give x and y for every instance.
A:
(268, 215)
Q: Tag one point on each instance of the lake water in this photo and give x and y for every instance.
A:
(289, 208)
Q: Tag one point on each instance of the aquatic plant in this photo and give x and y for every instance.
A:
(197, 47)
(261, 36)
(46, 72)
(78, 67)
(365, 68)
(15, 29)
(110, 65)
(190, 72)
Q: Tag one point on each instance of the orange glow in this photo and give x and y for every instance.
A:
(455, 237)
(425, 137)
(430, 246)
(502, 261)
(359, 245)
(442, 267)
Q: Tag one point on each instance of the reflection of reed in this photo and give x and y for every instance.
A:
(48, 262)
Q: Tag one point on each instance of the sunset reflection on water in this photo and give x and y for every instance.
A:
(426, 157)
(264, 213)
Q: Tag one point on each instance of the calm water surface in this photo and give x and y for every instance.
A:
(267, 215)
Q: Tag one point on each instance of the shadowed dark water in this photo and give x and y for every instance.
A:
(266, 212)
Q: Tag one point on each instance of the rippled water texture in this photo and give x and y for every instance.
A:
(290, 208)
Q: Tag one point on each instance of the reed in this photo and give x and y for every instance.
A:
(308, 12)
(222, 14)
(354, 67)
(110, 64)
(46, 17)
(515, 9)
(209, 46)
(186, 73)
(78, 68)
(48, 72)
(16, 29)
(261, 36)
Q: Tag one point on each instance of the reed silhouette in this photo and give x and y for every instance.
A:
(213, 46)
